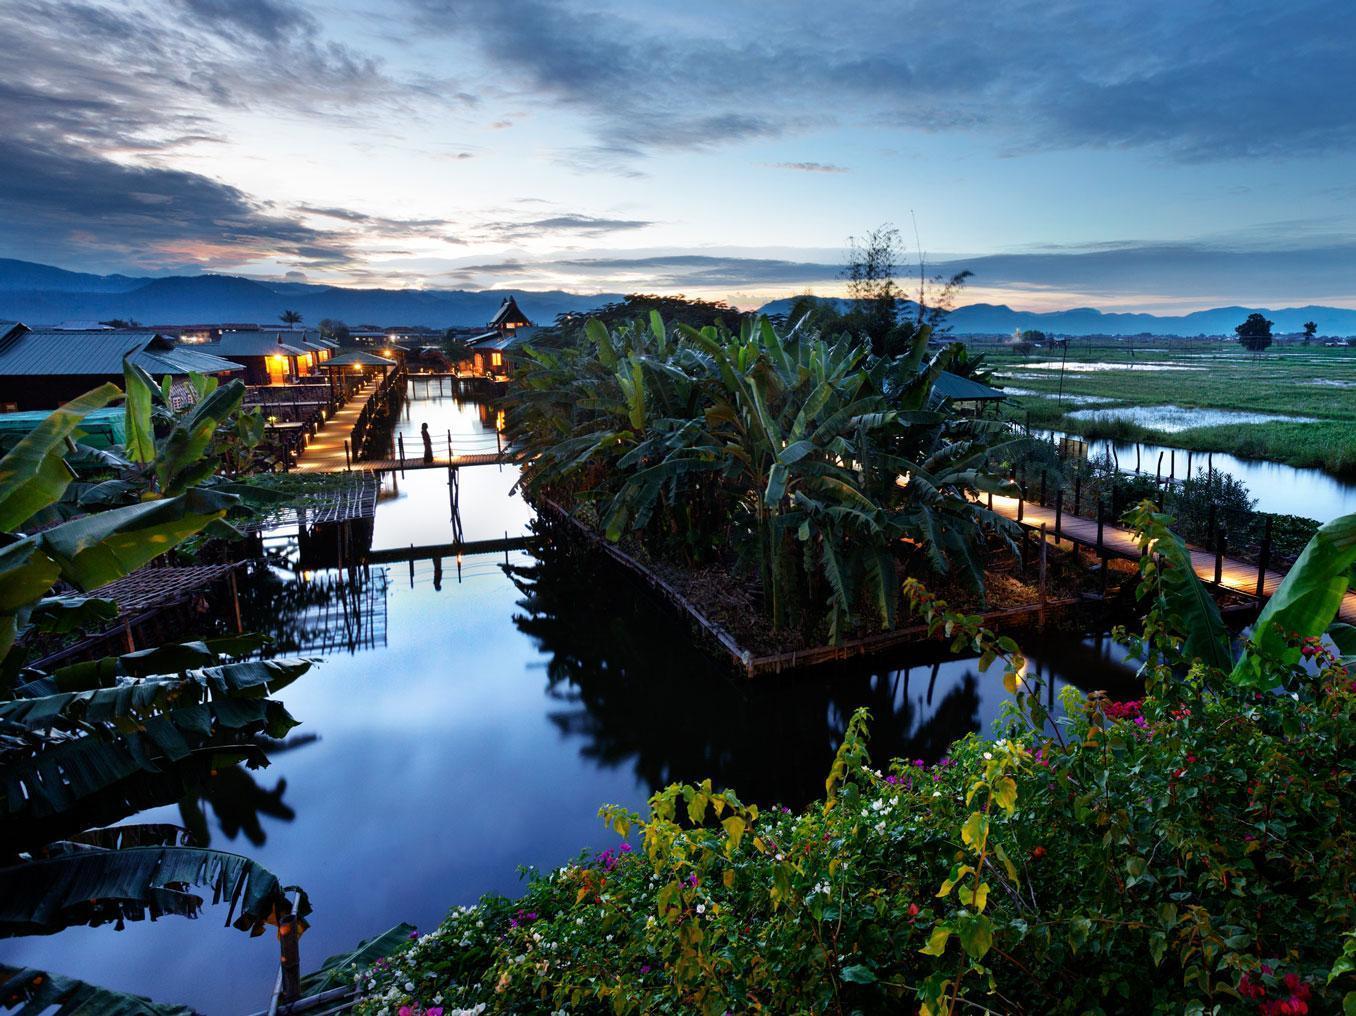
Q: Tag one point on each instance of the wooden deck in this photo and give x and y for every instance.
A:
(466, 548)
(325, 452)
(1237, 576)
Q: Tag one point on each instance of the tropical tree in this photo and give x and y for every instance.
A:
(782, 454)
(1255, 333)
(1310, 330)
(290, 317)
(90, 743)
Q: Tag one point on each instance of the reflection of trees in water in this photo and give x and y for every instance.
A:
(237, 799)
(631, 684)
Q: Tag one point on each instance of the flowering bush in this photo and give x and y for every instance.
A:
(1199, 861)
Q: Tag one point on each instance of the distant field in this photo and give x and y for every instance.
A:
(1294, 381)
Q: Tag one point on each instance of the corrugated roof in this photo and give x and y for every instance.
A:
(46, 352)
(255, 344)
(496, 342)
(963, 389)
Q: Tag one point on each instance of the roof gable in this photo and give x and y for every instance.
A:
(509, 313)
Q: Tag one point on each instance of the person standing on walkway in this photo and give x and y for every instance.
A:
(428, 444)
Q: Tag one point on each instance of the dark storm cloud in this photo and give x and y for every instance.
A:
(1194, 79)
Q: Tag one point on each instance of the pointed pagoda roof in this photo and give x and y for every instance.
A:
(509, 315)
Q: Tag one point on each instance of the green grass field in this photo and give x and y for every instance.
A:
(1294, 381)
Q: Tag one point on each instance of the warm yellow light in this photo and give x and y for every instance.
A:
(499, 420)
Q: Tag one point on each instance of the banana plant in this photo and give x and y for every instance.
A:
(1304, 605)
(92, 743)
(781, 449)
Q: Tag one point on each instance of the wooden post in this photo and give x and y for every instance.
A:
(1263, 559)
(1043, 546)
(990, 500)
(235, 600)
(1021, 504)
(1172, 464)
(1078, 494)
(348, 460)
(1043, 478)
(1219, 557)
(1136, 458)
(1101, 521)
(1188, 469)
(1158, 471)
(1059, 514)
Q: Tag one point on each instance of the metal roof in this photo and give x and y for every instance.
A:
(497, 342)
(47, 352)
(963, 389)
(360, 358)
(255, 344)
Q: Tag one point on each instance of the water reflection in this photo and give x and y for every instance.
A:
(623, 677)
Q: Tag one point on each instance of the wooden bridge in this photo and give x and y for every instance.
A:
(458, 548)
(1110, 540)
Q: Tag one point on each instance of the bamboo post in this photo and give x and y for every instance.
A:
(1137, 449)
(348, 461)
(1172, 464)
(1219, 557)
(1264, 558)
(1158, 471)
(1188, 469)
(235, 600)
(1059, 514)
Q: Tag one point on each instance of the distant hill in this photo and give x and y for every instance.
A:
(43, 295)
(998, 319)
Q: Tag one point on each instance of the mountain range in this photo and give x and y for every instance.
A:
(44, 295)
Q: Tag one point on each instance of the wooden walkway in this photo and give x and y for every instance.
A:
(466, 548)
(325, 452)
(454, 461)
(1237, 576)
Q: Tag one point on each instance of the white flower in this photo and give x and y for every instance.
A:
(988, 756)
(701, 909)
(409, 985)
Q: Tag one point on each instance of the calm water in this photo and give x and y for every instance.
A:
(1286, 490)
(1171, 419)
(490, 711)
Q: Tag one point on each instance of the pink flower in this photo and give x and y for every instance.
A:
(436, 1010)
(404, 1010)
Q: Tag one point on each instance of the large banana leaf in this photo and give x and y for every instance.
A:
(38, 992)
(1304, 605)
(1184, 595)
(33, 475)
(169, 659)
(137, 413)
(93, 886)
(97, 549)
(337, 971)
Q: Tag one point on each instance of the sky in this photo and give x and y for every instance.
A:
(1130, 156)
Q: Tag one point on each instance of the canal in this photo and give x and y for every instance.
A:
(487, 710)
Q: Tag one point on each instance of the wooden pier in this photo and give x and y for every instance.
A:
(1110, 540)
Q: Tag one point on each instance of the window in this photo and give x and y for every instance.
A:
(497, 359)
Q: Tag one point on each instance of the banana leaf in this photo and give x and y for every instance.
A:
(97, 549)
(38, 992)
(33, 475)
(134, 700)
(1304, 605)
(338, 971)
(96, 886)
(137, 414)
(1182, 592)
(179, 463)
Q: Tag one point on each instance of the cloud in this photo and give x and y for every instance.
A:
(555, 226)
(1190, 80)
(809, 167)
(104, 95)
